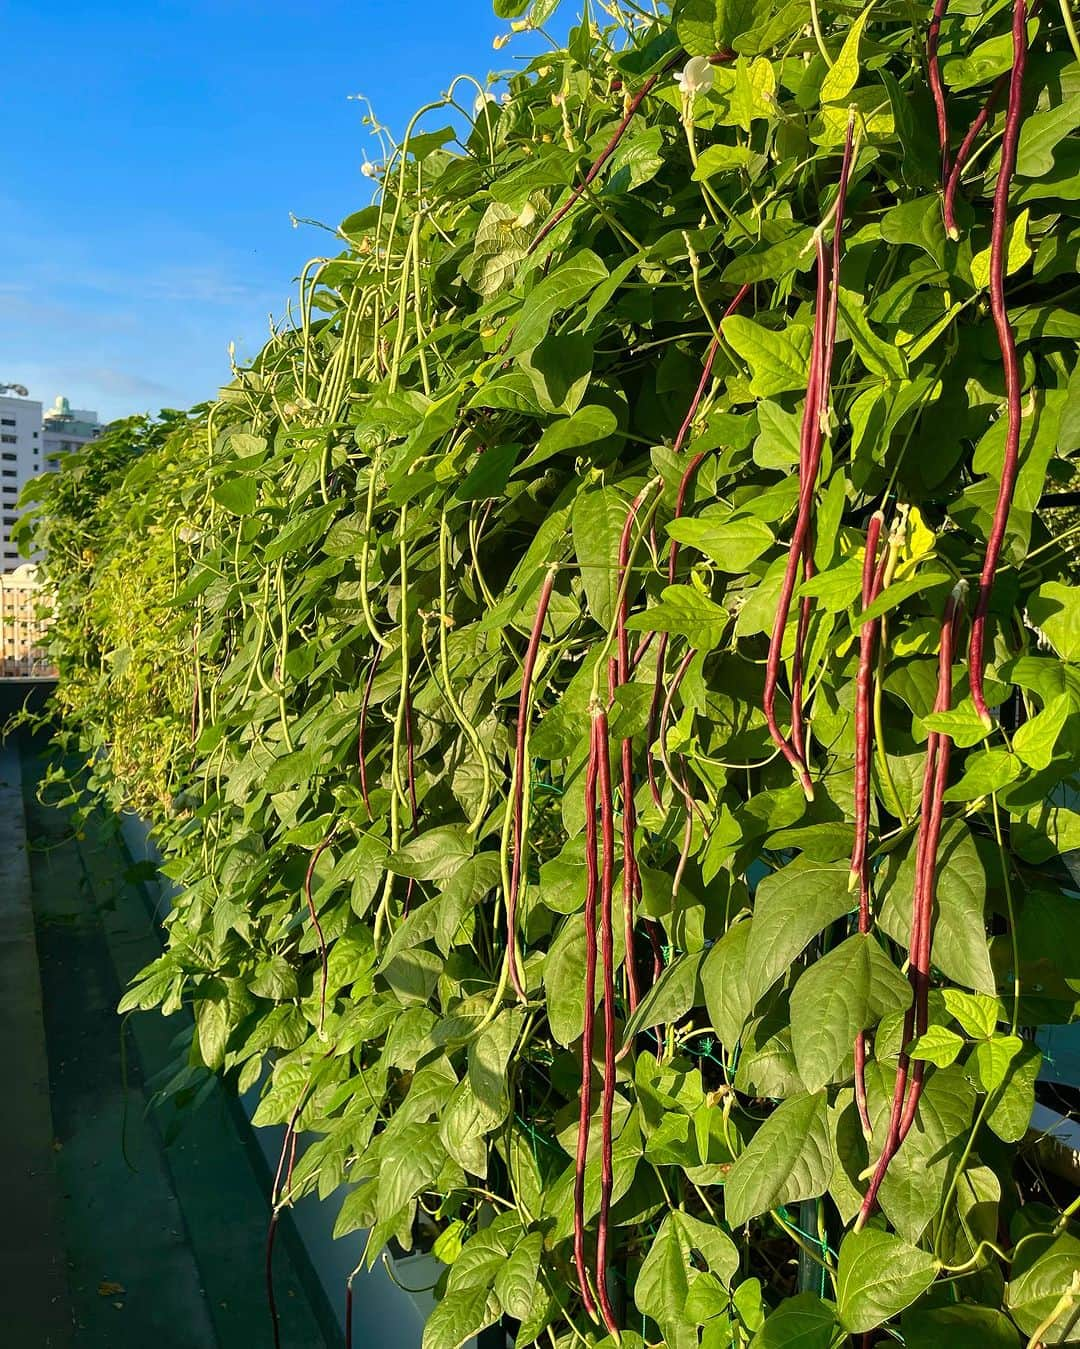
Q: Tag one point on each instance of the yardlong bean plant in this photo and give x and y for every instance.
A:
(617, 708)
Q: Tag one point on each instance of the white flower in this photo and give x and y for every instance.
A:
(482, 100)
(507, 97)
(369, 170)
(696, 77)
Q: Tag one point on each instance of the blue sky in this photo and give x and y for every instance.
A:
(153, 152)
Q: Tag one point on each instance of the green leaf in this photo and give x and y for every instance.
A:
(978, 1013)
(788, 1159)
(705, 27)
(434, 855)
(462, 1127)
(878, 1276)
(992, 1059)
(686, 612)
(777, 360)
(1043, 1269)
(842, 77)
(792, 906)
(960, 947)
(304, 530)
(489, 1055)
(409, 1164)
(597, 523)
(846, 991)
(239, 496)
(939, 1046)
(718, 159)
(1018, 254)
(212, 1028)
(772, 262)
(515, 1283)
(560, 367)
(961, 724)
(587, 426)
(459, 1316)
(899, 591)
(1035, 741)
(800, 1322)
(918, 1175)
(961, 1326)
(1041, 132)
(1010, 1115)
(732, 544)
(723, 980)
(636, 161)
(565, 286)
(564, 983)
(670, 998)
(917, 222)
(986, 772)
(663, 1282)
(985, 63)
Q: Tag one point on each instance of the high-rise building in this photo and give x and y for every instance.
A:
(23, 626)
(31, 444)
(65, 428)
(20, 460)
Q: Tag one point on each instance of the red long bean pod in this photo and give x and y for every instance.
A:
(937, 89)
(592, 885)
(873, 573)
(906, 1098)
(361, 754)
(815, 413)
(871, 580)
(810, 444)
(620, 674)
(810, 427)
(520, 769)
(1007, 343)
(927, 863)
(952, 183)
(673, 554)
(607, 944)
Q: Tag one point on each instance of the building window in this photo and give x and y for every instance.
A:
(7, 421)
(11, 458)
(11, 472)
(11, 519)
(10, 440)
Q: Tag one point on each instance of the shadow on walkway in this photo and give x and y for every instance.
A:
(138, 1224)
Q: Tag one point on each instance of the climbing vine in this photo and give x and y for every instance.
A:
(616, 706)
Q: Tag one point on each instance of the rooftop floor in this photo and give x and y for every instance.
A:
(129, 1223)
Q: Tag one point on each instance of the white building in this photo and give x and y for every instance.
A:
(65, 428)
(31, 444)
(20, 460)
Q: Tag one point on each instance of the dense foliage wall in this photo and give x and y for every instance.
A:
(607, 690)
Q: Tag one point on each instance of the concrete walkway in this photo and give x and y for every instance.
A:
(157, 1216)
(33, 1282)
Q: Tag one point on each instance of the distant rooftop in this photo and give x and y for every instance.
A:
(62, 411)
